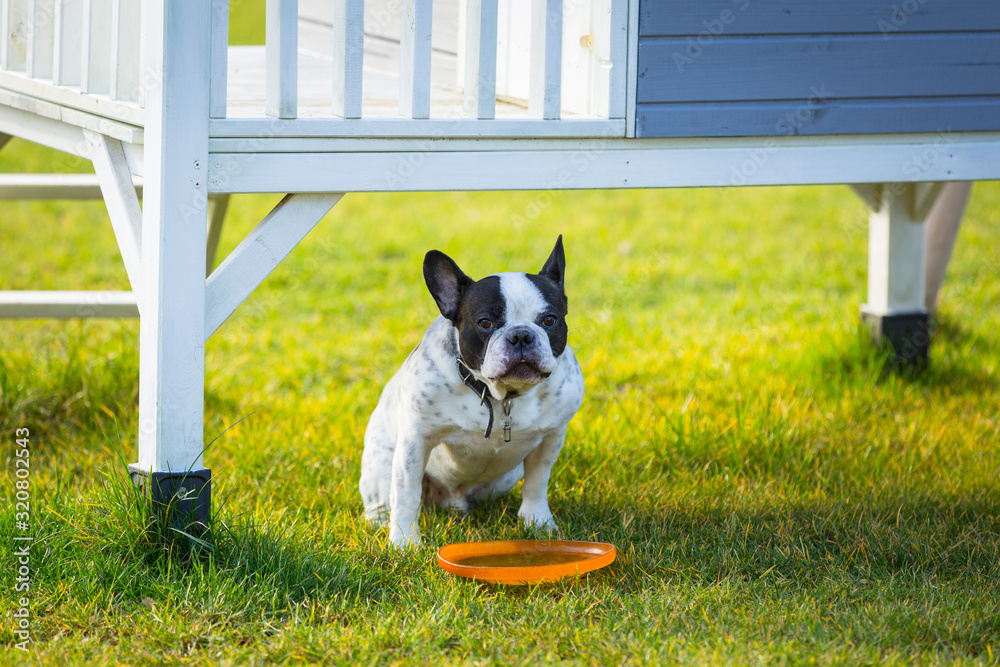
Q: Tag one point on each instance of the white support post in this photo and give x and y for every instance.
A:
(481, 59)
(68, 42)
(348, 57)
(172, 326)
(544, 96)
(217, 207)
(262, 250)
(281, 58)
(39, 56)
(895, 254)
(220, 56)
(415, 59)
(895, 309)
(122, 201)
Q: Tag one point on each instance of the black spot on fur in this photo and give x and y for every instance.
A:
(483, 300)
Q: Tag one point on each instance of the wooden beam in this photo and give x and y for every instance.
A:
(62, 305)
(122, 202)
(281, 58)
(261, 130)
(460, 165)
(15, 104)
(481, 59)
(44, 131)
(348, 57)
(54, 186)
(260, 252)
(415, 59)
(64, 102)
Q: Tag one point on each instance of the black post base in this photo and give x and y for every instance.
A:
(908, 334)
(182, 500)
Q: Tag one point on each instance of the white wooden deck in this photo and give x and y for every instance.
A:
(246, 86)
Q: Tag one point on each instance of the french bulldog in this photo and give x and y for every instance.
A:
(481, 403)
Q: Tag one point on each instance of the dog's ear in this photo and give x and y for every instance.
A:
(446, 282)
(555, 265)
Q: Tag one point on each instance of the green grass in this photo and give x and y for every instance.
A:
(775, 494)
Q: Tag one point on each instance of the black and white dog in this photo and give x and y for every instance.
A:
(481, 403)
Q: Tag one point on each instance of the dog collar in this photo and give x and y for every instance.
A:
(482, 391)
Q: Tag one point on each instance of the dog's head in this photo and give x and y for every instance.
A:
(511, 326)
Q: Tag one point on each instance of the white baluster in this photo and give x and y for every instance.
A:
(348, 57)
(281, 55)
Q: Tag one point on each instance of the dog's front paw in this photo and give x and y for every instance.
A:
(404, 538)
(540, 518)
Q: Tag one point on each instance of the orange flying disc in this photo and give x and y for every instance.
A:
(524, 561)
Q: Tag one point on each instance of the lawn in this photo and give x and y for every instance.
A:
(777, 495)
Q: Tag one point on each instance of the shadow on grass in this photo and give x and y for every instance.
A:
(953, 539)
(956, 539)
(901, 573)
(863, 362)
(111, 549)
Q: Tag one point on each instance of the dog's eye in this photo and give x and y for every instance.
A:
(549, 321)
(485, 323)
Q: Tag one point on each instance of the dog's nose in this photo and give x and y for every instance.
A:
(520, 336)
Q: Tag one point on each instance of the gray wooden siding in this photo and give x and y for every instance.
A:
(777, 67)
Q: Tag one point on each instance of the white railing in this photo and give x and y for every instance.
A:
(530, 57)
(515, 59)
(87, 46)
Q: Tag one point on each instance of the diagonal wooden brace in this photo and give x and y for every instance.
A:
(260, 252)
(120, 197)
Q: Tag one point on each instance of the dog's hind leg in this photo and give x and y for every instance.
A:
(435, 493)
